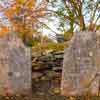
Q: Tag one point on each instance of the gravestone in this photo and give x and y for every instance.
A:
(81, 66)
(15, 66)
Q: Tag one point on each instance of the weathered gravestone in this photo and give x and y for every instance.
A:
(15, 66)
(81, 65)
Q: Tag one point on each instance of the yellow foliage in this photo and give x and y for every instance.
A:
(56, 90)
(72, 98)
(20, 1)
(3, 31)
(31, 3)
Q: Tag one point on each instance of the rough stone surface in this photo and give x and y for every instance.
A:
(81, 65)
(15, 66)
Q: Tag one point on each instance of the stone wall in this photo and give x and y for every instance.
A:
(15, 66)
(81, 65)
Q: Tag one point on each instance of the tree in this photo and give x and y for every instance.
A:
(3, 30)
(75, 11)
(24, 15)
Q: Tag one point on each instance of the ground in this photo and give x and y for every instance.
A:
(45, 89)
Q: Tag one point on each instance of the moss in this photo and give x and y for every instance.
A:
(49, 46)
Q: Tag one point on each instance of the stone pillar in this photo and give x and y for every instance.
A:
(81, 65)
(15, 66)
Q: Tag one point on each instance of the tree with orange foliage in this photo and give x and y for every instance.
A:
(23, 15)
(3, 30)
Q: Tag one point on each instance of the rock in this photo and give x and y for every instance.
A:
(50, 74)
(48, 51)
(15, 66)
(56, 90)
(59, 55)
(36, 75)
(57, 69)
(81, 65)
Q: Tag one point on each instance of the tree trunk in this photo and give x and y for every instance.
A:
(82, 23)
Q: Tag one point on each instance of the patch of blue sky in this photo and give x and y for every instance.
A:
(6, 3)
(97, 15)
(87, 18)
(4, 20)
(1, 14)
(56, 4)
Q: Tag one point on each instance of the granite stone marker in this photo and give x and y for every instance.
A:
(15, 66)
(81, 67)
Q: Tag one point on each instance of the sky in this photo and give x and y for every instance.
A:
(52, 24)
